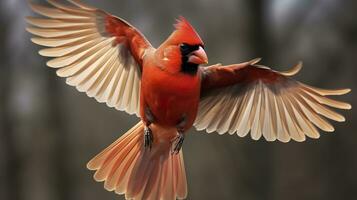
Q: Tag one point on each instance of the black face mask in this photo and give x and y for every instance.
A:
(186, 67)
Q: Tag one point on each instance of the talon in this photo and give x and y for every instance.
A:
(178, 142)
(148, 137)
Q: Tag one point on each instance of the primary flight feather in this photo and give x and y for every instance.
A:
(110, 60)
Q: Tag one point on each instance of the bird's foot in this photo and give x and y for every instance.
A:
(148, 138)
(178, 142)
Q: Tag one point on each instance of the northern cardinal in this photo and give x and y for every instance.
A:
(110, 60)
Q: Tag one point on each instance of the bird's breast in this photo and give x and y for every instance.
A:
(171, 97)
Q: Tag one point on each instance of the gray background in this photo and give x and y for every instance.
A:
(48, 130)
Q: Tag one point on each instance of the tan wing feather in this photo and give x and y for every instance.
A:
(282, 109)
(85, 54)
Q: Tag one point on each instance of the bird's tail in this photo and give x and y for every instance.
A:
(128, 168)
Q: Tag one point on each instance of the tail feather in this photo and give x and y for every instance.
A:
(151, 190)
(181, 181)
(98, 160)
(104, 162)
(128, 168)
(121, 165)
(168, 180)
(141, 173)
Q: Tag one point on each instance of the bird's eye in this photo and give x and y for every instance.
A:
(184, 47)
(187, 49)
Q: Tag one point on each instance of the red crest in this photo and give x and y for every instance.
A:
(185, 33)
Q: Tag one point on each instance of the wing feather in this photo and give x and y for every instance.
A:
(253, 98)
(54, 12)
(56, 23)
(257, 105)
(100, 81)
(284, 125)
(228, 114)
(270, 124)
(97, 53)
(294, 128)
(311, 130)
(239, 113)
(243, 125)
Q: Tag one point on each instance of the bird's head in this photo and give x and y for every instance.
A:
(186, 46)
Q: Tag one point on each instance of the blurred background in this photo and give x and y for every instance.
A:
(48, 130)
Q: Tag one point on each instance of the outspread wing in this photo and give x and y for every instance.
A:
(246, 97)
(96, 52)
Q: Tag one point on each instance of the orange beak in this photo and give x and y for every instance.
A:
(198, 57)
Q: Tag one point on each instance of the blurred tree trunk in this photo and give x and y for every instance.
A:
(10, 180)
(260, 151)
(62, 176)
(257, 30)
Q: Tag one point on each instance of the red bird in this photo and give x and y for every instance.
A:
(110, 60)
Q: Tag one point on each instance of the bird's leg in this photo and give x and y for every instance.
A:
(148, 137)
(178, 141)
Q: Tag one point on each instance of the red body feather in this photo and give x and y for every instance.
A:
(165, 89)
(169, 95)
